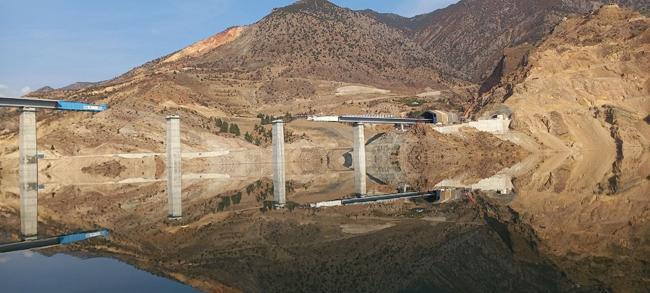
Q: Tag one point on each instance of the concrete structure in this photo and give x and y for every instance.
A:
(27, 102)
(174, 186)
(369, 119)
(499, 183)
(499, 125)
(441, 117)
(450, 194)
(279, 183)
(373, 199)
(359, 158)
(28, 173)
(28, 157)
(52, 241)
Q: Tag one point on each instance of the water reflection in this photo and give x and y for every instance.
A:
(35, 272)
(548, 223)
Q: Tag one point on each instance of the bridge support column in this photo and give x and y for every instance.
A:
(279, 188)
(28, 173)
(359, 159)
(174, 187)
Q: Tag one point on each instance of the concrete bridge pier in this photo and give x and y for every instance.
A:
(359, 159)
(174, 187)
(279, 183)
(28, 173)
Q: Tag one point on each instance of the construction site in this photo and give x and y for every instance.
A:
(282, 157)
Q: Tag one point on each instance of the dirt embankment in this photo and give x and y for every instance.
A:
(586, 87)
(584, 94)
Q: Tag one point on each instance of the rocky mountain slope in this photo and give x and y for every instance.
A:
(587, 86)
(298, 58)
(317, 39)
(471, 35)
(283, 56)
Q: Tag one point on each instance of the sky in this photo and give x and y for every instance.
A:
(56, 43)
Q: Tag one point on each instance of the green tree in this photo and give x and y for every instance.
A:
(234, 129)
(236, 199)
(267, 119)
(218, 122)
(224, 127)
(250, 188)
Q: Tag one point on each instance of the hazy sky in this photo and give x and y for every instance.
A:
(55, 43)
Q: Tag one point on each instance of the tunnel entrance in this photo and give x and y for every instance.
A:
(430, 115)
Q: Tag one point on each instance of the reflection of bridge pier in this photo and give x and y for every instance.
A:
(279, 184)
(28, 157)
(174, 186)
(359, 158)
(28, 173)
(359, 149)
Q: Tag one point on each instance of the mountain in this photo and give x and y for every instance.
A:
(585, 87)
(471, 35)
(42, 90)
(303, 50)
(316, 57)
(584, 93)
(79, 85)
(48, 90)
(319, 40)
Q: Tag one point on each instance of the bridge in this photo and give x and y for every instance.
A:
(358, 148)
(370, 119)
(376, 198)
(28, 159)
(52, 241)
(51, 104)
(28, 155)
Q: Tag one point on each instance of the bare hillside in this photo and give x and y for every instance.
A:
(471, 35)
(587, 86)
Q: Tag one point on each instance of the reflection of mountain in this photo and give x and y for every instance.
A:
(422, 157)
(300, 252)
(567, 202)
(559, 210)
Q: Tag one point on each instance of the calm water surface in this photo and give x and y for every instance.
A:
(559, 223)
(34, 272)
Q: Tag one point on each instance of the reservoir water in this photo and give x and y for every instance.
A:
(548, 223)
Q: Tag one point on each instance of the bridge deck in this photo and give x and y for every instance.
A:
(28, 102)
(369, 119)
(50, 104)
